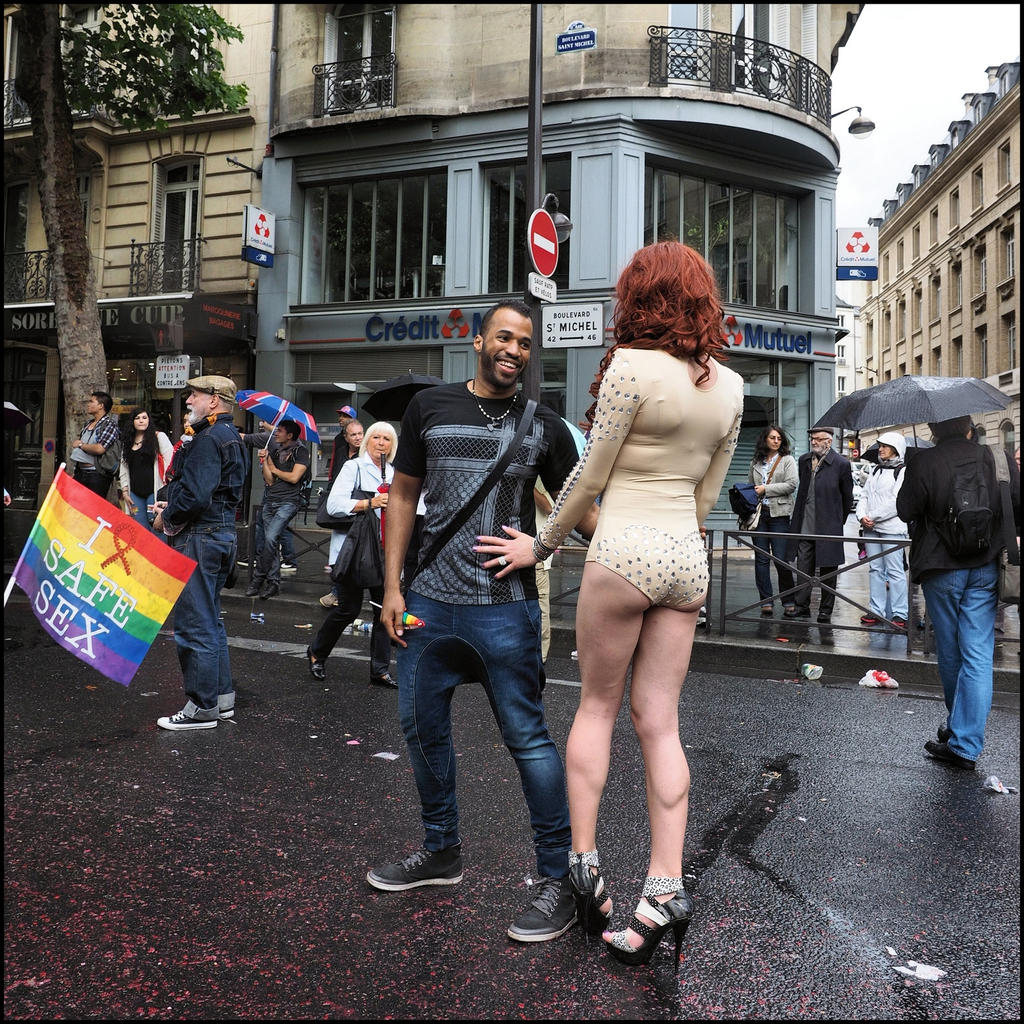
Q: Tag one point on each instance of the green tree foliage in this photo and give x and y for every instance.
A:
(146, 62)
(140, 66)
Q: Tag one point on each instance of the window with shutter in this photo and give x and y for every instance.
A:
(809, 31)
(359, 57)
(172, 261)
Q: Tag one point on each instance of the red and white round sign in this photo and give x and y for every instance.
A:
(542, 242)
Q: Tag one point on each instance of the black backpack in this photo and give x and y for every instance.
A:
(969, 524)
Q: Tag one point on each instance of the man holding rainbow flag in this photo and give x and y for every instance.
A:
(101, 585)
(198, 519)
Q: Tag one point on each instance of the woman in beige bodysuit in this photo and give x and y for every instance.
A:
(664, 428)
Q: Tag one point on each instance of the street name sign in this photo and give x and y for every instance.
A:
(573, 326)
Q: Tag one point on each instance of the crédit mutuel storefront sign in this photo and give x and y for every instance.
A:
(809, 340)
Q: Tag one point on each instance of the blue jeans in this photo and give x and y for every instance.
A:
(287, 541)
(766, 542)
(962, 606)
(199, 632)
(141, 514)
(887, 577)
(276, 518)
(499, 647)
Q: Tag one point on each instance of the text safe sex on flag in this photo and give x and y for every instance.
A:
(100, 584)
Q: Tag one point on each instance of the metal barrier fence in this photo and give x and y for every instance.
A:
(722, 605)
(745, 539)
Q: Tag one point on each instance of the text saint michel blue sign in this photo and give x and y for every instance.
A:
(576, 37)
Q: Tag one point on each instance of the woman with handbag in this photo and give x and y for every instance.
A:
(145, 458)
(773, 473)
(360, 487)
(346, 447)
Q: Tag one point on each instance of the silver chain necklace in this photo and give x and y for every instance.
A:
(493, 421)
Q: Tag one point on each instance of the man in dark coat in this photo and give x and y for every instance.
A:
(823, 501)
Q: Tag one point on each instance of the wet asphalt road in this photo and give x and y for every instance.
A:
(221, 874)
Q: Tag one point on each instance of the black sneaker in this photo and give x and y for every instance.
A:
(552, 912)
(191, 716)
(940, 752)
(424, 867)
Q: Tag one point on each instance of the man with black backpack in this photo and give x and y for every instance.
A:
(951, 496)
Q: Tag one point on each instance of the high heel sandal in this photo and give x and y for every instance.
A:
(674, 913)
(589, 892)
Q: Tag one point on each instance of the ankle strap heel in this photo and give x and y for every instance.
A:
(588, 890)
(674, 913)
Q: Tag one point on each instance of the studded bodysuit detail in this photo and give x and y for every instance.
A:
(658, 454)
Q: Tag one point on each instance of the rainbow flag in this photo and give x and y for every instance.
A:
(100, 584)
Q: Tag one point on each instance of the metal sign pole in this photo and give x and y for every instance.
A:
(534, 157)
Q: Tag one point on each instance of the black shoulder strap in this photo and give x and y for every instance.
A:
(457, 521)
(1003, 481)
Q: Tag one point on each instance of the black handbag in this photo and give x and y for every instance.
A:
(360, 563)
(746, 503)
(329, 522)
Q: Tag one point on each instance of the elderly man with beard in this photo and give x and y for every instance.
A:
(198, 519)
(824, 499)
(477, 628)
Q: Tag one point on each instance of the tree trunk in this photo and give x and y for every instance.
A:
(79, 337)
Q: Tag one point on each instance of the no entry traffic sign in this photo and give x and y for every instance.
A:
(542, 242)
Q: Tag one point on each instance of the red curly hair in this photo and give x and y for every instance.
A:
(667, 298)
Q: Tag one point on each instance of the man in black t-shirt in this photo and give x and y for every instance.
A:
(477, 628)
(283, 470)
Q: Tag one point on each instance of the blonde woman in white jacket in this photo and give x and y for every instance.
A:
(145, 458)
(876, 513)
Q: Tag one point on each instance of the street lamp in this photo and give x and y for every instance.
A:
(563, 226)
(860, 127)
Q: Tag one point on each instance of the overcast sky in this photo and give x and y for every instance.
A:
(908, 67)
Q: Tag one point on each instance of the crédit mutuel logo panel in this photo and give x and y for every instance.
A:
(776, 338)
(424, 327)
(458, 325)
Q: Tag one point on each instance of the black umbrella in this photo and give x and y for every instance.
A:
(14, 417)
(913, 444)
(389, 401)
(913, 400)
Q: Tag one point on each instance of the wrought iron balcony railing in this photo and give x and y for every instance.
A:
(351, 85)
(15, 108)
(159, 268)
(728, 63)
(16, 112)
(28, 276)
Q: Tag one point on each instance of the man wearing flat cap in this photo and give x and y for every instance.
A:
(823, 501)
(198, 519)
